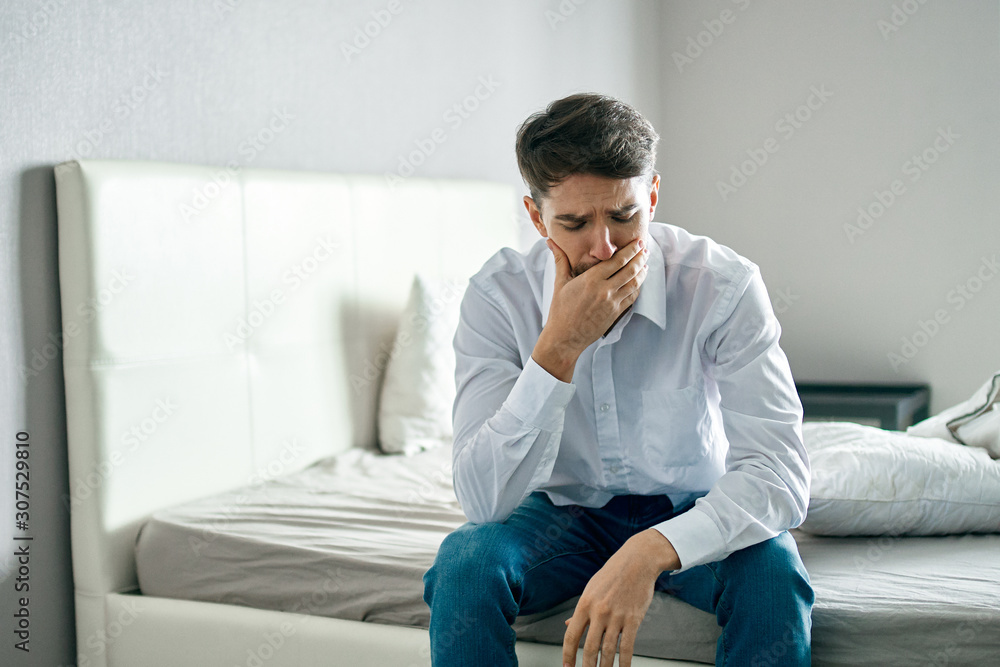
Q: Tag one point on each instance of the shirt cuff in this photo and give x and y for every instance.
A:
(539, 399)
(695, 538)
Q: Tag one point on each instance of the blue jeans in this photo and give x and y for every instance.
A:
(485, 575)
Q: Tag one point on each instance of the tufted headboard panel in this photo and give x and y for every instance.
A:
(222, 326)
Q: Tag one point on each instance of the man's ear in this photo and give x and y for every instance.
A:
(536, 216)
(654, 194)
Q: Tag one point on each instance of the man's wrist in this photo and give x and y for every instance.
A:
(664, 555)
(557, 359)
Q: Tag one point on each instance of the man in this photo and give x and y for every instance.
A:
(625, 420)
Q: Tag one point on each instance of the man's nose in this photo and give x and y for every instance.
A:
(601, 247)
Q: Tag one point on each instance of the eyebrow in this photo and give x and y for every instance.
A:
(572, 217)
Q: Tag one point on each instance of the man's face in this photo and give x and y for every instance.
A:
(590, 217)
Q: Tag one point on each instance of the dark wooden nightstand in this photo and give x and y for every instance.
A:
(892, 407)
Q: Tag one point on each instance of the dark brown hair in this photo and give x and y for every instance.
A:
(585, 133)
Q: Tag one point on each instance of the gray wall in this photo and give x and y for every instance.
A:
(886, 81)
(189, 81)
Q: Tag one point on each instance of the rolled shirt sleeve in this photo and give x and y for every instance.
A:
(508, 413)
(765, 489)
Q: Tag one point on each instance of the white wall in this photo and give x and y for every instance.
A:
(847, 301)
(181, 81)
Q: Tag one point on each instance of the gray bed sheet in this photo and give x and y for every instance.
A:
(351, 536)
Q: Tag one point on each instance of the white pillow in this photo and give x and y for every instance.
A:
(867, 481)
(419, 387)
(974, 422)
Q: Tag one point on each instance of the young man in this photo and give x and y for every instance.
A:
(625, 421)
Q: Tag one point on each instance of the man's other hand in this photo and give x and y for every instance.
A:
(584, 307)
(616, 599)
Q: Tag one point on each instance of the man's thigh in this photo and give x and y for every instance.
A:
(753, 569)
(558, 550)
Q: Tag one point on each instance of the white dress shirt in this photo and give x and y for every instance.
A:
(688, 395)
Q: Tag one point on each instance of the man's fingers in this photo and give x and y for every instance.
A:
(609, 647)
(627, 645)
(632, 285)
(564, 272)
(620, 259)
(571, 641)
(592, 646)
(632, 266)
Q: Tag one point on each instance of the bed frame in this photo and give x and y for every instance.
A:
(223, 325)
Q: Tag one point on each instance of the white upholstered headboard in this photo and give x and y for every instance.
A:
(222, 326)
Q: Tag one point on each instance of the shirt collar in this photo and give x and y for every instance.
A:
(652, 301)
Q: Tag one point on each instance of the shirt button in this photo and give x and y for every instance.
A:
(605, 407)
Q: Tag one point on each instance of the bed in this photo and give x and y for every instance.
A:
(226, 335)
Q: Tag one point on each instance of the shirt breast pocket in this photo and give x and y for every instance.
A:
(676, 427)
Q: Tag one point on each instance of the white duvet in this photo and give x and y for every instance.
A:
(867, 481)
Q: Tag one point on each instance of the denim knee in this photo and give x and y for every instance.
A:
(470, 597)
(473, 558)
(773, 565)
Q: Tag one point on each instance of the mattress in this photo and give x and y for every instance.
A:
(351, 536)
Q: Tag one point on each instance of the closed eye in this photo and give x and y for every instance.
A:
(580, 223)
